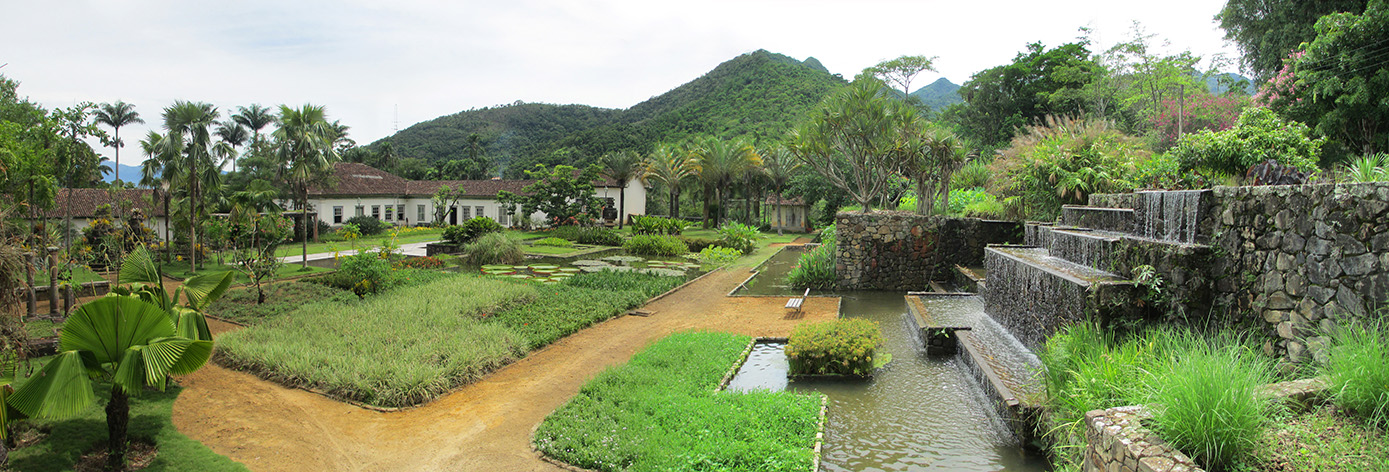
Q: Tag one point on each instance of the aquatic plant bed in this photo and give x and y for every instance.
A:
(61, 444)
(408, 346)
(239, 305)
(663, 411)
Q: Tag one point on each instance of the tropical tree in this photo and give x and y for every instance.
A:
(853, 140)
(902, 70)
(117, 115)
(929, 158)
(155, 173)
(132, 339)
(254, 118)
(669, 165)
(1267, 30)
(233, 134)
(306, 140)
(717, 163)
(190, 139)
(622, 167)
(779, 165)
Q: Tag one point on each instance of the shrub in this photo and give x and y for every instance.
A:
(739, 236)
(657, 225)
(363, 273)
(718, 256)
(420, 263)
(974, 174)
(1357, 373)
(1258, 135)
(588, 235)
(478, 226)
(988, 209)
(660, 411)
(1062, 161)
(367, 225)
(1367, 168)
(454, 234)
(556, 242)
(697, 244)
(961, 198)
(655, 245)
(492, 248)
(845, 347)
(1207, 406)
(815, 269)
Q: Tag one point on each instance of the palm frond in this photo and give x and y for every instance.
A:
(60, 390)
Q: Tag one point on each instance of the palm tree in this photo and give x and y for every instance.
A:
(117, 115)
(190, 138)
(155, 173)
(670, 166)
(717, 163)
(780, 166)
(622, 167)
(234, 134)
(306, 149)
(255, 118)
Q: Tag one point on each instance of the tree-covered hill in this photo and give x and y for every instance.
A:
(757, 95)
(940, 94)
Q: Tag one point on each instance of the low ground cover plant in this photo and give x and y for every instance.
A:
(492, 248)
(660, 412)
(657, 225)
(841, 347)
(1326, 439)
(587, 235)
(815, 268)
(553, 241)
(426, 262)
(562, 309)
(697, 244)
(394, 349)
(655, 245)
(718, 256)
(239, 306)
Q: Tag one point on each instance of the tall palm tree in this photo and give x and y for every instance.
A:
(254, 118)
(190, 137)
(780, 166)
(117, 115)
(622, 167)
(234, 134)
(717, 163)
(306, 150)
(154, 174)
(670, 166)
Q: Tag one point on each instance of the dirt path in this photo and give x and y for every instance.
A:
(483, 426)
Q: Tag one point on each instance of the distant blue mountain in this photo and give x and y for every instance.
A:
(1219, 83)
(940, 94)
(128, 174)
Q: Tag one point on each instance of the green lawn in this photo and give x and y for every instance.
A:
(660, 411)
(549, 250)
(179, 269)
(1324, 439)
(364, 242)
(239, 305)
(80, 274)
(150, 415)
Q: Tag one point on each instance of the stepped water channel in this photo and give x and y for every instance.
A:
(960, 392)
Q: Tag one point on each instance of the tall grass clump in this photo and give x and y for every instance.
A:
(656, 245)
(815, 268)
(1207, 406)
(660, 411)
(492, 248)
(1358, 370)
(395, 349)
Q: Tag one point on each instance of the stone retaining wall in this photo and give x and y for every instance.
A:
(893, 250)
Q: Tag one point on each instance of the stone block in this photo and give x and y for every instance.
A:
(1155, 464)
(1349, 245)
(1279, 301)
(1359, 265)
(1285, 330)
(1275, 316)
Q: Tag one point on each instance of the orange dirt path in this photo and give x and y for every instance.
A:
(482, 426)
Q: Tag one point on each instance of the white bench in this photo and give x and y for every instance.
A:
(796, 303)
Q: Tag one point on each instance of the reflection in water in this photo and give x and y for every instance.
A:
(918, 413)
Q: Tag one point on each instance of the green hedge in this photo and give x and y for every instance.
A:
(655, 245)
(841, 347)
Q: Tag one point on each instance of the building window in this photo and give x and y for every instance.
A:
(467, 213)
(390, 212)
(337, 215)
(376, 211)
(400, 212)
(419, 213)
(361, 211)
(479, 212)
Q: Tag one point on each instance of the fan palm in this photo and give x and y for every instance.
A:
(779, 165)
(190, 138)
(717, 163)
(306, 150)
(670, 166)
(622, 167)
(117, 115)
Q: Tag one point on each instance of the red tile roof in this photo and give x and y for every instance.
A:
(771, 200)
(360, 179)
(86, 200)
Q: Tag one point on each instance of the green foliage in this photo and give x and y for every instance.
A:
(973, 174)
(1356, 371)
(697, 244)
(363, 273)
(1208, 405)
(555, 242)
(1325, 440)
(1265, 30)
(853, 141)
(1063, 161)
(815, 269)
(492, 248)
(592, 235)
(563, 193)
(718, 256)
(660, 411)
(739, 236)
(471, 230)
(655, 245)
(395, 349)
(1039, 82)
(961, 198)
(455, 234)
(1370, 168)
(847, 346)
(574, 304)
(657, 225)
(368, 226)
(1259, 135)
(239, 306)
(987, 209)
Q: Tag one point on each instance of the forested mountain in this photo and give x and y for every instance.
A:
(759, 95)
(940, 94)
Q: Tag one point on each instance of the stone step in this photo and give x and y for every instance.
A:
(1102, 218)
(1033, 293)
(1094, 248)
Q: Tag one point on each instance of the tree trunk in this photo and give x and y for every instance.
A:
(621, 203)
(707, 206)
(923, 198)
(674, 203)
(304, 223)
(779, 224)
(117, 419)
(192, 216)
(168, 223)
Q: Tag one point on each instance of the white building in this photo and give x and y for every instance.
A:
(362, 190)
(82, 203)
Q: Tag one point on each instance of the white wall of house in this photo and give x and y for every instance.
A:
(793, 217)
(405, 211)
(635, 202)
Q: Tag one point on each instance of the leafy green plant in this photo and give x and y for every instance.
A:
(1368, 168)
(840, 347)
(657, 225)
(987, 209)
(363, 273)
(655, 245)
(1207, 406)
(367, 225)
(739, 236)
(974, 174)
(1356, 370)
(697, 244)
(961, 198)
(240, 306)
(816, 268)
(555, 242)
(580, 301)
(661, 411)
(592, 235)
(1064, 160)
(1258, 135)
(492, 248)
(718, 256)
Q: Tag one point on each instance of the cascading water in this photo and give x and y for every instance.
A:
(1171, 215)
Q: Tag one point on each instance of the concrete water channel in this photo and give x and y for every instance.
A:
(920, 412)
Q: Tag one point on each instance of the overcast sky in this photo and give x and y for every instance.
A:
(365, 60)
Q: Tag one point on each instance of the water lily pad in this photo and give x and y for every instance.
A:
(543, 267)
(623, 259)
(589, 263)
(561, 275)
(520, 267)
(569, 270)
(499, 272)
(520, 276)
(543, 272)
(496, 267)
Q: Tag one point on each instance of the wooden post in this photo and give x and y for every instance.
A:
(68, 299)
(53, 282)
(31, 298)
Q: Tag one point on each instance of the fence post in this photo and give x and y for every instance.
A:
(31, 300)
(53, 282)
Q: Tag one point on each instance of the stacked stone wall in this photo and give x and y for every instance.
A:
(891, 250)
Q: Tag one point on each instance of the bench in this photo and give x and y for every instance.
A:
(796, 303)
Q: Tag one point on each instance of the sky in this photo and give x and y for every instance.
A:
(382, 66)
